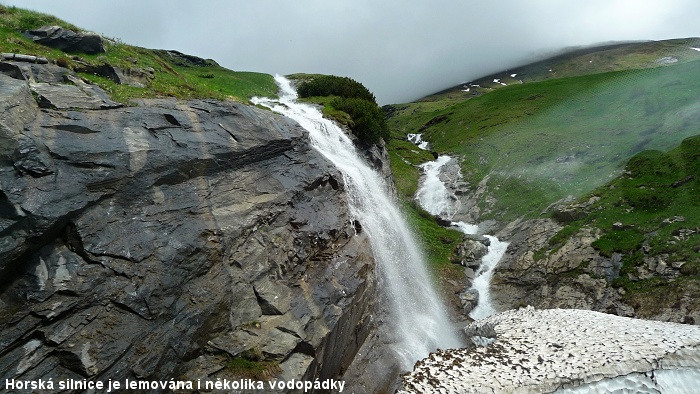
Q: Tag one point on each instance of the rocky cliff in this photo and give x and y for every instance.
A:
(541, 270)
(168, 239)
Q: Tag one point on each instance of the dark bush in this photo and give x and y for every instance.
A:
(330, 85)
(651, 163)
(690, 151)
(368, 119)
(368, 122)
(649, 200)
(618, 241)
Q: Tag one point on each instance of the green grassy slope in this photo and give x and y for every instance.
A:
(628, 137)
(572, 62)
(541, 141)
(173, 78)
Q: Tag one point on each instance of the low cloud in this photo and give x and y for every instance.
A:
(400, 50)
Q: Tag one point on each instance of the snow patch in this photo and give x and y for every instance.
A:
(565, 351)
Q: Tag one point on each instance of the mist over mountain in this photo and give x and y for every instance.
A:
(400, 52)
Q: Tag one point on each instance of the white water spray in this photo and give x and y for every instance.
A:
(435, 198)
(482, 281)
(418, 316)
(418, 140)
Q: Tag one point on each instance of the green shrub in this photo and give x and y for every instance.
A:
(651, 163)
(690, 153)
(648, 199)
(368, 122)
(331, 85)
(621, 241)
(351, 97)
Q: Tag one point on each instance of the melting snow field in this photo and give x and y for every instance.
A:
(565, 351)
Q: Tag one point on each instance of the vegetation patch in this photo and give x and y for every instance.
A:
(405, 159)
(650, 214)
(622, 241)
(245, 367)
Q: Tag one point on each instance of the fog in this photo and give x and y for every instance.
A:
(400, 50)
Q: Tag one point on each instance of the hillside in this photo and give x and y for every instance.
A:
(140, 72)
(570, 62)
(538, 142)
(592, 177)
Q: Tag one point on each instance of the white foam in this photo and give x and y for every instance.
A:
(418, 140)
(434, 197)
(482, 281)
(432, 194)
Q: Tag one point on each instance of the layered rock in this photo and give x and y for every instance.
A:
(163, 240)
(67, 40)
(573, 274)
(542, 351)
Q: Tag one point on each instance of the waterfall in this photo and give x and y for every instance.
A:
(435, 198)
(417, 314)
(482, 281)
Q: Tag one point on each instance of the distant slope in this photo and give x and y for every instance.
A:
(538, 142)
(571, 63)
(174, 74)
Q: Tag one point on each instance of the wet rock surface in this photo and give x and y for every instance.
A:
(165, 239)
(67, 40)
(537, 351)
(573, 274)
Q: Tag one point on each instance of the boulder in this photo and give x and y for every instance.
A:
(77, 95)
(185, 60)
(48, 73)
(469, 252)
(67, 40)
(469, 299)
(133, 76)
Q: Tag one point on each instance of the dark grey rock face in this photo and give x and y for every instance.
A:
(67, 40)
(162, 240)
(572, 276)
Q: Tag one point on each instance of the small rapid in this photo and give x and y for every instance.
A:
(437, 199)
(418, 317)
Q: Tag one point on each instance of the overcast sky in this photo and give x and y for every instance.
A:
(401, 50)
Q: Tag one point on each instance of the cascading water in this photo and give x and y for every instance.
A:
(435, 198)
(418, 316)
(482, 281)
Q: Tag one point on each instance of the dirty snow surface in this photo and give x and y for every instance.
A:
(565, 351)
